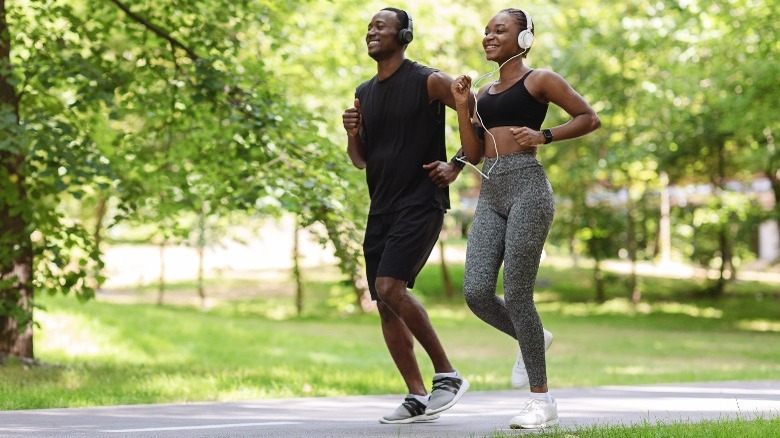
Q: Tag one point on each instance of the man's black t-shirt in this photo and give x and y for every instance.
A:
(401, 131)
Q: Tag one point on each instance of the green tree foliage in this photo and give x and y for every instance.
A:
(720, 86)
(170, 108)
(681, 87)
(47, 153)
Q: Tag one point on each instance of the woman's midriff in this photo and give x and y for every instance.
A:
(506, 142)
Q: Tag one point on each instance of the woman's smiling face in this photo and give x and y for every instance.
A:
(500, 41)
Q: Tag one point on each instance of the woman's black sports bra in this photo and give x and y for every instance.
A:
(512, 107)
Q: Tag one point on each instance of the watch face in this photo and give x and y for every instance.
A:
(547, 135)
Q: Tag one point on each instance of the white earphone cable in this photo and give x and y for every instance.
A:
(476, 111)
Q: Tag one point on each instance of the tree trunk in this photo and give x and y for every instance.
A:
(665, 224)
(16, 253)
(161, 281)
(97, 234)
(100, 215)
(633, 282)
(720, 284)
(348, 263)
(296, 255)
(201, 289)
(575, 256)
(201, 249)
(598, 281)
(773, 169)
(449, 289)
(732, 231)
(723, 238)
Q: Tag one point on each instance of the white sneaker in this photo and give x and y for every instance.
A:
(519, 373)
(536, 414)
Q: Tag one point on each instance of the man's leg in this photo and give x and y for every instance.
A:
(400, 343)
(410, 241)
(448, 385)
(411, 319)
(398, 338)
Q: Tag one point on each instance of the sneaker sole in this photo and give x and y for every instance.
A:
(418, 419)
(535, 426)
(546, 347)
(463, 388)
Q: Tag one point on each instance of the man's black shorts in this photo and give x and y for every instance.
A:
(398, 244)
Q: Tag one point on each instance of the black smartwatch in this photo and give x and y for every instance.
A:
(460, 164)
(548, 138)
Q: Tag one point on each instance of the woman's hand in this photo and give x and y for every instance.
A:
(461, 88)
(527, 137)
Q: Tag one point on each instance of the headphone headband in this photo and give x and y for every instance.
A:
(529, 25)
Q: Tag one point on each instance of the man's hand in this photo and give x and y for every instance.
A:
(353, 117)
(442, 174)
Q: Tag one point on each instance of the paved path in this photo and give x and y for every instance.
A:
(478, 414)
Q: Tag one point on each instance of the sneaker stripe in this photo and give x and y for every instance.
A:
(443, 397)
(451, 384)
(410, 411)
(414, 407)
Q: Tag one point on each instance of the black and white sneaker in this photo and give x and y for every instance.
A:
(446, 392)
(410, 411)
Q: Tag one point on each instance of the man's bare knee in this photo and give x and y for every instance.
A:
(391, 291)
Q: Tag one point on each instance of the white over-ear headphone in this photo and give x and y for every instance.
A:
(526, 37)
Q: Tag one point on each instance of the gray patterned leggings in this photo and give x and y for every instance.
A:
(513, 216)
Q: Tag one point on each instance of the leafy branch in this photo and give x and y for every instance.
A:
(156, 30)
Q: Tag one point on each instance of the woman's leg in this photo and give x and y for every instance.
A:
(484, 255)
(528, 223)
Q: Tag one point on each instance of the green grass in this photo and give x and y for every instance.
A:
(103, 353)
(724, 428)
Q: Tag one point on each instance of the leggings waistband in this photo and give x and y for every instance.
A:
(510, 162)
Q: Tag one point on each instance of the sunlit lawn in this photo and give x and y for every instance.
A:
(725, 428)
(103, 352)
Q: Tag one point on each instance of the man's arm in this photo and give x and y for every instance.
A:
(353, 119)
(442, 174)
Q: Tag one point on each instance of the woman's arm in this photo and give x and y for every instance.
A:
(473, 146)
(549, 86)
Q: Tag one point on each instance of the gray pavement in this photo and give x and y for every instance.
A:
(478, 414)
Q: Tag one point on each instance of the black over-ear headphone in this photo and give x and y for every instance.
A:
(406, 35)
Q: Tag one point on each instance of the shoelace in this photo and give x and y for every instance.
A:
(451, 384)
(531, 404)
(414, 406)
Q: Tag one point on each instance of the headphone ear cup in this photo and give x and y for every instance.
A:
(525, 39)
(405, 36)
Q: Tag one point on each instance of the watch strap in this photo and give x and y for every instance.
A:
(548, 136)
(459, 163)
